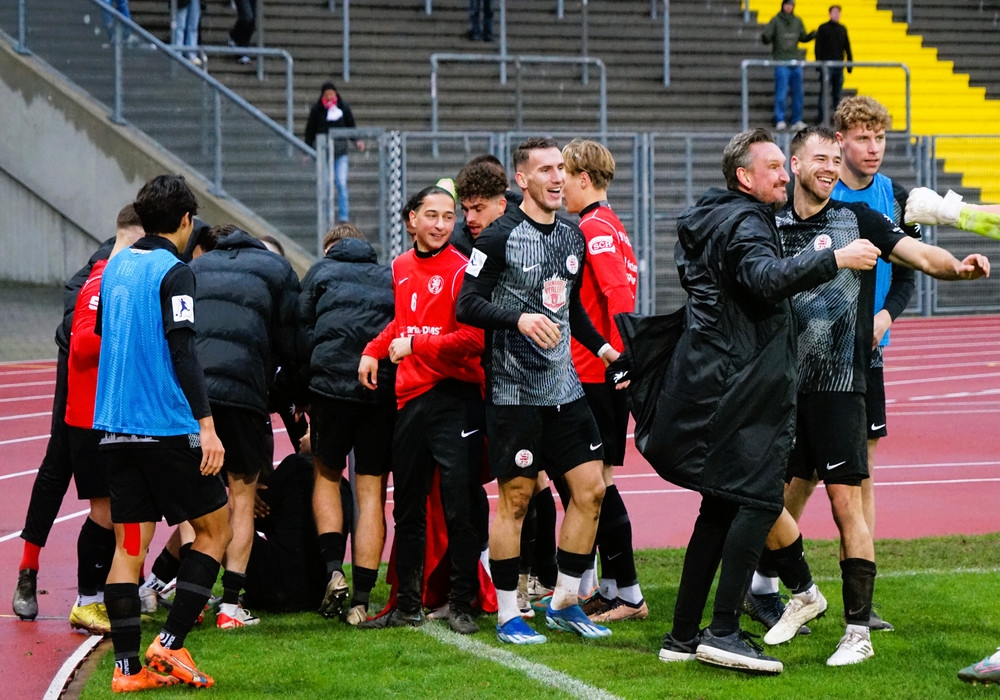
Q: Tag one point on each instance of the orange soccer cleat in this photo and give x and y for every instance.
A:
(144, 680)
(178, 663)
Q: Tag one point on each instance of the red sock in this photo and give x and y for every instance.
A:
(29, 560)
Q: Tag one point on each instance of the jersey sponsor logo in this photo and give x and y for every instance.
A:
(413, 302)
(524, 459)
(92, 305)
(476, 262)
(423, 330)
(822, 242)
(435, 284)
(573, 265)
(183, 307)
(601, 244)
(554, 293)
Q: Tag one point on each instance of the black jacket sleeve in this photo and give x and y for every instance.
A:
(474, 305)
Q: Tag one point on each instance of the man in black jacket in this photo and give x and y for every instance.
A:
(722, 423)
(246, 297)
(832, 44)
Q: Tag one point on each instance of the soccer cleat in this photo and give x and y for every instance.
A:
(800, 610)
(149, 600)
(766, 608)
(394, 618)
(541, 604)
(536, 589)
(573, 620)
(233, 619)
(335, 598)
(523, 602)
(93, 618)
(673, 650)
(178, 663)
(736, 651)
(441, 613)
(621, 611)
(517, 631)
(143, 680)
(853, 648)
(25, 595)
(356, 615)
(986, 671)
(877, 624)
(462, 623)
(596, 604)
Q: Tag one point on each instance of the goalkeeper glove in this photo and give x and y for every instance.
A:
(925, 206)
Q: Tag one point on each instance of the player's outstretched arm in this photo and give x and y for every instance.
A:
(938, 262)
(925, 206)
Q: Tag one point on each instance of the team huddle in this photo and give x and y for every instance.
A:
(505, 349)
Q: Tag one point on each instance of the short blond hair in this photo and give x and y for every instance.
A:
(582, 156)
(861, 110)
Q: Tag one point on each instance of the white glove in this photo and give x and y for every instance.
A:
(925, 206)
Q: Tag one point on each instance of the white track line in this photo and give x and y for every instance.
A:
(57, 520)
(14, 441)
(24, 384)
(27, 472)
(27, 398)
(532, 669)
(22, 416)
(66, 671)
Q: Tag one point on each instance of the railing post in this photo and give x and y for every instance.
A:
(503, 41)
(604, 96)
(22, 27)
(116, 110)
(585, 38)
(347, 40)
(519, 102)
(824, 91)
(434, 105)
(745, 93)
(321, 187)
(428, 9)
(259, 14)
(560, 10)
(217, 160)
(289, 93)
(666, 43)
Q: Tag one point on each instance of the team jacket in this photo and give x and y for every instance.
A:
(610, 278)
(84, 352)
(426, 288)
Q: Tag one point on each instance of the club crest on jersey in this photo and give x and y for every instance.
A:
(435, 284)
(572, 264)
(524, 459)
(822, 242)
(554, 293)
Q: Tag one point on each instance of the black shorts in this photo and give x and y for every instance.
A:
(875, 403)
(338, 426)
(830, 438)
(151, 483)
(610, 411)
(90, 467)
(247, 438)
(523, 440)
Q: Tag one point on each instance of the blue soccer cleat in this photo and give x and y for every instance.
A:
(517, 631)
(573, 619)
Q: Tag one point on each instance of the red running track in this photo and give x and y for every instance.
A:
(938, 473)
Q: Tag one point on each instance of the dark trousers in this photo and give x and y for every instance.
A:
(836, 77)
(245, 22)
(726, 532)
(434, 429)
(56, 469)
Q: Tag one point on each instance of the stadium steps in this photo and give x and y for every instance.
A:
(943, 100)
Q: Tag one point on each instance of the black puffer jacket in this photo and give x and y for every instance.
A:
(346, 300)
(722, 421)
(244, 320)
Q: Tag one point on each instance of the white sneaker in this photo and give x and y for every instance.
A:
(781, 126)
(799, 125)
(800, 610)
(854, 647)
(149, 600)
(234, 617)
(536, 590)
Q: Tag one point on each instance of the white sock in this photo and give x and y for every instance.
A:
(154, 583)
(631, 594)
(762, 585)
(565, 593)
(507, 608)
(608, 589)
(589, 581)
(229, 608)
(82, 600)
(860, 629)
(809, 594)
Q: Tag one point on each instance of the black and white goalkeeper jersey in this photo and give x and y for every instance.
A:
(834, 339)
(521, 266)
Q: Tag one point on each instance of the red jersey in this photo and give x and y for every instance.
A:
(425, 289)
(608, 287)
(84, 352)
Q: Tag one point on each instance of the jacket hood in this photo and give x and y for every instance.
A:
(698, 222)
(352, 250)
(239, 239)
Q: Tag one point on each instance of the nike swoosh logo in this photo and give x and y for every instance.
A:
(855, 613)
(402, 280)
(471, 432)
(594, 447)
(834, 466)
(613, 556)
(877, 427)
(529, 269)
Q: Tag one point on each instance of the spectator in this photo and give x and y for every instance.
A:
(480, 20)
(832, 44)
(784, 33)
(242, 31)
(186, 27)
(331, 112)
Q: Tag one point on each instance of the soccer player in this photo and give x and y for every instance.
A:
(246, 298)
(835, 332)
(523, 286)
(163, 453)
(610, 278)
(439, 420)
(346, 415)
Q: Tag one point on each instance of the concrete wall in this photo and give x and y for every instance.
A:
(66, 170)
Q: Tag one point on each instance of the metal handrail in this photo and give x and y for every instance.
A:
(824, 66)
(437, 58)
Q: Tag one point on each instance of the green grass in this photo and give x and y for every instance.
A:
(940, 593)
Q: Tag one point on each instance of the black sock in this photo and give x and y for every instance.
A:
(614, 539)
(194, 585)
(505, 572)
(165, 567)
(93, 557)
(528, 529)
(122, 602)
(544, 563)
(765, 566)
(333, 545)
(859, 586)
(232, 584)
(792, 567)
(573, 564)
(364, 582)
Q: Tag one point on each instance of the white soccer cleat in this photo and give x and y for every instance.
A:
(925, 206)
(854, 647)
(800, 610)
